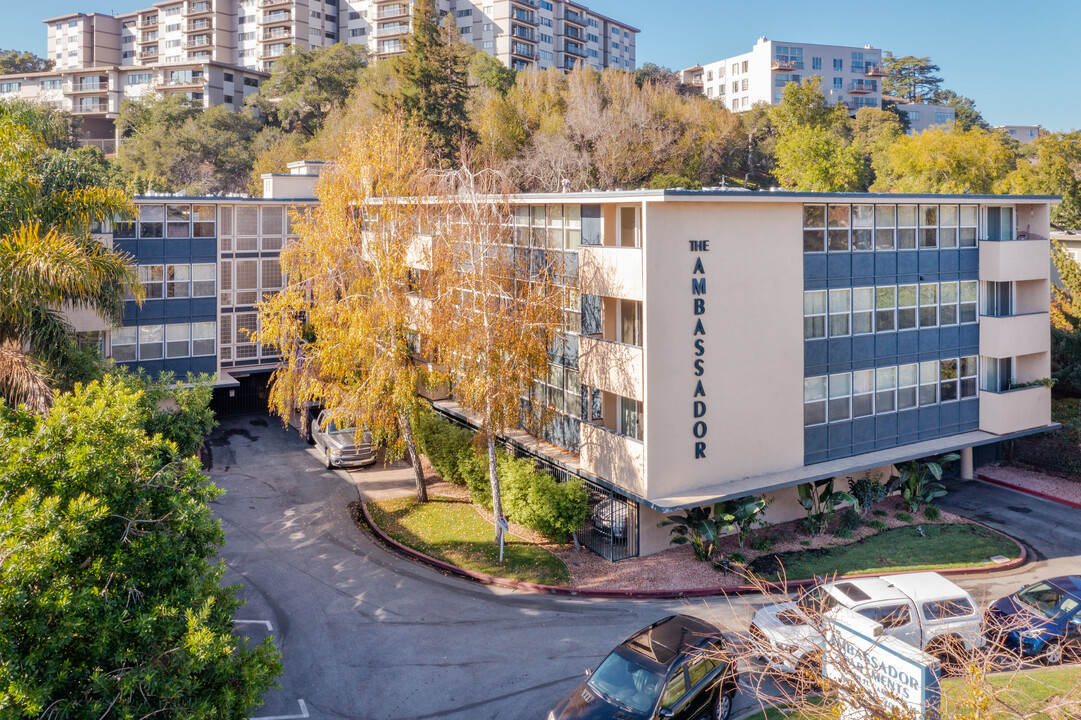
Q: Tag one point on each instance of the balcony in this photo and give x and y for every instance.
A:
(525, 16)
(145, 38)
(201, 24)
(1014, 260)
(392, 11)
(273, 51)
(527, 34)
(1014, 335)
(193, 9)
(611, 366)
(573, 17)
(181, 83)
(276, 18)
(1014, 410)
(392, 30)
(619, 460)
(90, 85)
(861, 89)
(575, 33)
(85, 108)
(873, 70)
(274, 3)
(196, 42)
(523, 51)
(147, 22)
(149, 53)
(574, 49)
(276, 34)
(611, 271)
(785, 65)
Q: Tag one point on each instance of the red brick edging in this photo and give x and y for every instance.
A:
(1028, 491)
(487, 579)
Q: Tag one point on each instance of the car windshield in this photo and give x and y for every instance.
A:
(1048, 600)
(815, 601)
(626, 683)
(333, 429)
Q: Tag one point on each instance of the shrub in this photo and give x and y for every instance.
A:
(819, 499)
(444, 443)
(762, 544)
(844, 533)
(868, 490)
(535, 500)
(932, 512)
(877, 525)
(850, 520)
(905, 517)
(880, 513)
(473, 471)
(737, 558)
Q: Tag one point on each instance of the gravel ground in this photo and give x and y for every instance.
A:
(1047, 484)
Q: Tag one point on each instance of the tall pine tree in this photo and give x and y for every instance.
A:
(433, 82)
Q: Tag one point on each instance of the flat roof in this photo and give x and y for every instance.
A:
(221, 198)
(743, 195)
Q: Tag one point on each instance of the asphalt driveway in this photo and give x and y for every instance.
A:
(366, 634)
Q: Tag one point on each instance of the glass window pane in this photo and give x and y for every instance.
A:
(839, 216)
(814, 389)
(885, 216)
(863, 216)
(906, 215)
(814, 216)
(814, 241)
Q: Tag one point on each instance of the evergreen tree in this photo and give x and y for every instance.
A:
(433, 82)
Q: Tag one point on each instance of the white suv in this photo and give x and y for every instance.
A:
(922, 609)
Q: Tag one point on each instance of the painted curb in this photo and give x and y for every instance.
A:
(1028, 491)
(654, 594)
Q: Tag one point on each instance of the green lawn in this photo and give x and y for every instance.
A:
(945, 546)
(452, 531)
(1022, 693)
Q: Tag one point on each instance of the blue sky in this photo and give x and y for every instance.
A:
(1012, 58)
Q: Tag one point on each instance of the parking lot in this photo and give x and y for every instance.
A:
(366, 634)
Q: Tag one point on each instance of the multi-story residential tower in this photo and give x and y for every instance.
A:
(220, 51)
(718, 344)
(850, 75)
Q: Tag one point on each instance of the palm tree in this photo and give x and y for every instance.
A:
(50, 201)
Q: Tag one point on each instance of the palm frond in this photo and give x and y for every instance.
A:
(22, 379)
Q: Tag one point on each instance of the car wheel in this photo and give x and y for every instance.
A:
(326, 459)
(950, 654)
(1053, 656)
(722, 708)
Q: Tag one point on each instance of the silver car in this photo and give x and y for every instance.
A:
(340, 446)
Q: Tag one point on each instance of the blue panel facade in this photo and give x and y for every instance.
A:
(826, 356)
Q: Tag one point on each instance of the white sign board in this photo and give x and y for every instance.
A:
(866, 664)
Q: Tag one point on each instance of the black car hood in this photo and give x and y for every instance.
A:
(585, 703)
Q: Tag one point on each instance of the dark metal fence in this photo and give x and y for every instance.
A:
(1056, 452)
(610, 529)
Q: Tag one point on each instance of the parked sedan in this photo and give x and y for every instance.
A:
(1042, 620)
(672, 669)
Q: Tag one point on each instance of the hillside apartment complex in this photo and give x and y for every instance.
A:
(220, 51)
(717, 343)
(850, 76)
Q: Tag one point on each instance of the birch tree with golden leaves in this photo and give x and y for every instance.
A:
(348, 319)
(497, 311)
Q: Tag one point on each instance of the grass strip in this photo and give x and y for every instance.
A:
(452, 531)
(900, 549)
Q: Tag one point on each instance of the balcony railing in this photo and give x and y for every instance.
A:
(392, 11)
(1012, 335)
(276, 17)
(576, 18)
(203, 24)
(525, 33)
(196, 42)
(612, 366)
(147, 23)
(272, 3)
(858, 88)
(197, 8)
(149, 53)
(525, 16)
(276, 34)
(574, 49)
(874, 70)
(90, 86)
(523, 51)
(391, 30)
(783, 65)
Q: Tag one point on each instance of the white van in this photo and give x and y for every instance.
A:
(922, 609)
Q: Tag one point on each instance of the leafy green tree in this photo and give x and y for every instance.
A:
(22, 61)
(486, 71)
(111, 603)
(814, 160)
(433, 82)
(945, 161)
(920, 481)
(1054, 167)
(804, 106)
(50, 202)
(742, 513)
(698, 527)
(911, 78)
(964, 109)
(171, 143)
(819, 500)
(58, 129)
(307, 85)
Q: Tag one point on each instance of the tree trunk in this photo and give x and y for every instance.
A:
(406, 425)
(493, 476)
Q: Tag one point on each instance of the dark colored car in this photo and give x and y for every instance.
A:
(1041, 620)
(673, 669)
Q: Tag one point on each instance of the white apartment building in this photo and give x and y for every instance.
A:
(850, 75)
(219, 52)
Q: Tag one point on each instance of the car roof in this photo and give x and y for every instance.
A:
(925, 586)
(861, 590)
(1069, 584)
(665, 640)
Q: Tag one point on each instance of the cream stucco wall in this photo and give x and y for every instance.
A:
(1015, 260)
(753, 347)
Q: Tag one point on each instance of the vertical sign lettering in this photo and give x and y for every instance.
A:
(698, 300)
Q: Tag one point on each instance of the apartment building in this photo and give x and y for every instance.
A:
(924, 116)
(218, 52)
(1022, 133)
(850, 75)
(718, 343)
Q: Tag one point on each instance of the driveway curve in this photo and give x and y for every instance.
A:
(366, 634)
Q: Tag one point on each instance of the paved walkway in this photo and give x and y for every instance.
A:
(383, 482)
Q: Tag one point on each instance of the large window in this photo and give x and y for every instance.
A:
(177, 340)
(867, 227)
(124, 341)
(864, 310)
(202, 280)
(630, 418)
(178, 281)
(152, 277)
(151, 340)
(862, 393)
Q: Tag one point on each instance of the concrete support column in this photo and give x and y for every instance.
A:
(966, 464)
